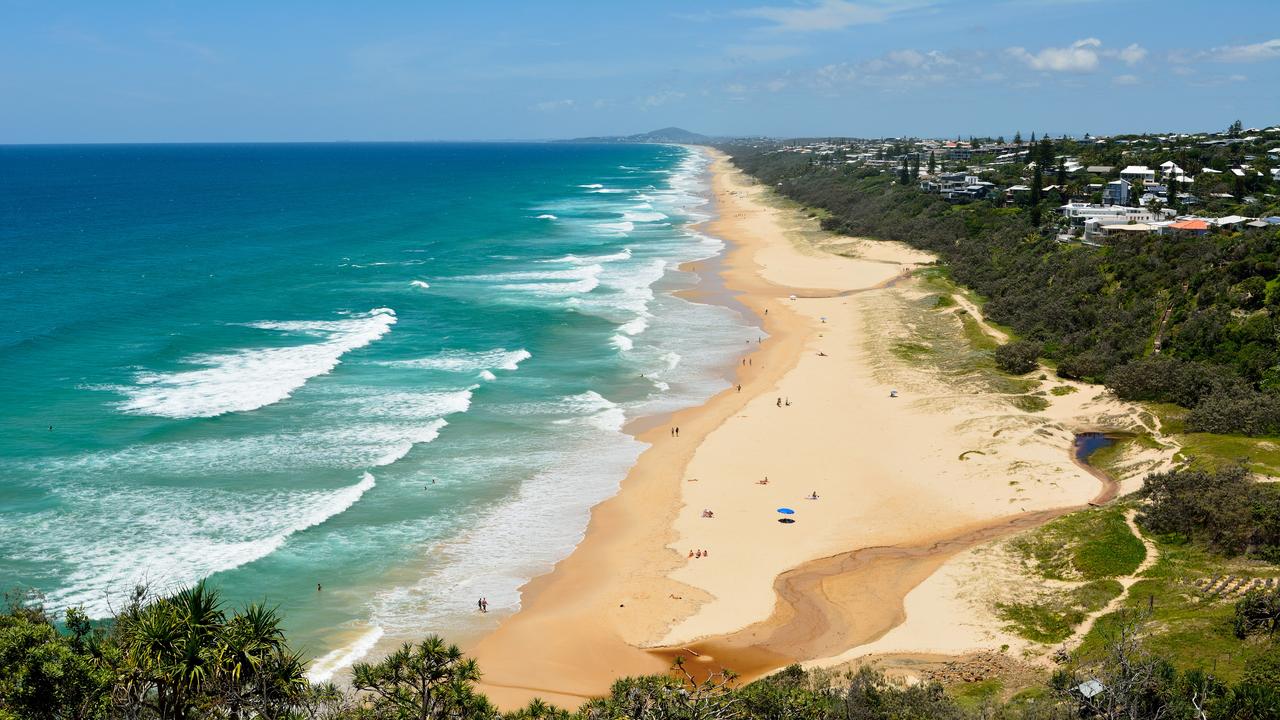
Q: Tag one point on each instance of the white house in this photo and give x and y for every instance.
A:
(1137, 173)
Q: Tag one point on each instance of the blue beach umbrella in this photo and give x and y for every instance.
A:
(786, 511)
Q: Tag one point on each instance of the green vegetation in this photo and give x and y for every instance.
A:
(1092, 544)
(187, 658)
(911, 351)
(1061, 390)
(1053, 616)
(1098, 312)
(1223, 509)
(1018, 357)
(1029, 403)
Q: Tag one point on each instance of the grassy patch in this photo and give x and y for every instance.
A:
(1053, 617)
(975, 334)
(1086, 545)
(974, 695)
(1029, 403)
(1185, 626)
(1262, 455)
(911, 351)
(943, 301)
(1063, 390)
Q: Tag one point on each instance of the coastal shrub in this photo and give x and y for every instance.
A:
(1018, 357)
(1222, 508)
(1257, 612)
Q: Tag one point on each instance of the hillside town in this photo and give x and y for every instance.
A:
(1102, 188)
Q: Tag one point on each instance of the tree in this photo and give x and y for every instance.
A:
(675, 696)
(1257, 612)
(176, 656)
(1236, 129)
(44, 674)
(903, 177)
(1018, 357)
(428, 681)
(1213, 506)
(932, 163)
(1017, 138)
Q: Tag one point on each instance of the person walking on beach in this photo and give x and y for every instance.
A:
(677, 431)
(779, 402)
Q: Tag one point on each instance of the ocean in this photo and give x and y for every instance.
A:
(397, 371)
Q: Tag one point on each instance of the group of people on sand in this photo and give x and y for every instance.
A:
(483, 605)
(708, 514)
(675, 431)
(781, 402)
(698, 554)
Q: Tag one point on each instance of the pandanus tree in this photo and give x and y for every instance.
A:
(427, 681)
(182, 656)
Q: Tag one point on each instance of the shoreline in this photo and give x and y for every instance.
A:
(568, 595)
(627, 600)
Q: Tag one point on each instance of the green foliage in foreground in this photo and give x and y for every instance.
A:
(188, 658)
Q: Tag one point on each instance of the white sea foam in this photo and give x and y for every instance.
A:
(592, 186)
(635, 326)
(625, 254)
(487, 375)
(323, 668)
(615, 228)
(571, 281)
(420, 284)
(608, 191)
(622, 342)
(547, 216)
(467, 361)
(255, 377)
(643, 212)
(176, 536)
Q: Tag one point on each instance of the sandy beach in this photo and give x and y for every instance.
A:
(903, 483)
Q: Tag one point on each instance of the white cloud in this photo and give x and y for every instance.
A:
(1132, 55)
(822, 15)
(553, 105)
(1256, 52)
(1082, 56)
(895, 69)
(1125, 80)
(775, 85)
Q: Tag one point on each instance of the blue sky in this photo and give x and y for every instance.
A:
(136, 71)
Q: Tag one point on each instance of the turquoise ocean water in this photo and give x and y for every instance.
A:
(400, 371)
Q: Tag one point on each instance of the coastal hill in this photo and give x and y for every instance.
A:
(665, 135)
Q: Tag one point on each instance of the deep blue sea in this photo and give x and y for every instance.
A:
(400, 371)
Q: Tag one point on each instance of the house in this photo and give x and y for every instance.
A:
(1099, 169)
(1079, 213)
(1138, 173)
(1112, 231)
(1231, 221)
(1116, 193)
(1193, 226)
